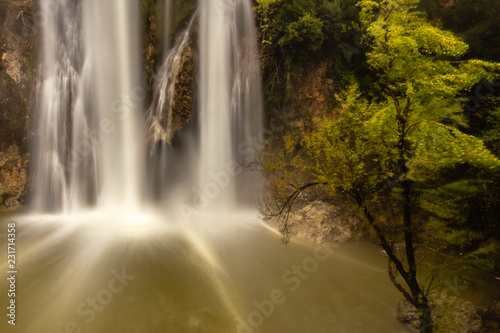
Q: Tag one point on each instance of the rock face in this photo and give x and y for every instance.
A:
(450, 313)
(16, 71)
(13, 177)
(185, 90)
(18, 41)
(322, 222)
(316, 89)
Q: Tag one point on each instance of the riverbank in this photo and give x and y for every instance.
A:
(460, 306)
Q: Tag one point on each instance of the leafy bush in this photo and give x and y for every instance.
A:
(305, 32)
(297, 28)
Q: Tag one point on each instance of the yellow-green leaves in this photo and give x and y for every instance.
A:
(366, 14)
(340, 146)
(414, 61)
(433, 41)
(410, 52)
(439, 146)
(266, 10)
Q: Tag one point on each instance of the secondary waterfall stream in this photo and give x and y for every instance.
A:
(230, 102)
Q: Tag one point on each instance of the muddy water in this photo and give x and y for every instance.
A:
(98, 274)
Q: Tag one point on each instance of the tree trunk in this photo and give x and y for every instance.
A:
(426, 322)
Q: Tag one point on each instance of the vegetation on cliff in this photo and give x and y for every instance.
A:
(401, 150)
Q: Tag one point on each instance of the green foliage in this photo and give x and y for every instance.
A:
(475, 21)
(465, 251)
(438, 146)
(486, 257)
(485, 123)
(13, 112)
(341, 148)
(410, 56)
(266, 10)
(305, 31)
(297, 27)
(404, 159)
(447, 202)
(484, 207)
(424, 90)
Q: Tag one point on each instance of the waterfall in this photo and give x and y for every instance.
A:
(56, 95)
(230, 102)
(160, 129)
(90, 148)
(160, 114)
(88, 145)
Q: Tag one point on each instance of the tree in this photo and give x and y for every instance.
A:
(475, 21)
(297, 28)
(381, 155)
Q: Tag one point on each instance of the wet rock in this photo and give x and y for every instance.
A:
(185, 90)
(18, 77)
(13, 176)
(322, 222)
(12, 112)
(316, 89)
(12, 203)
(407, 313)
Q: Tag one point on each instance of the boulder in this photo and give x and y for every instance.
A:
(12, 203)
(322, 222)
(407, 313)
(13, 176)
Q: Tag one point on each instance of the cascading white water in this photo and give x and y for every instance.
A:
(61, 54)
(160, 114)
(230, 99)
(117, 59)
(89, 147)
(161, 129)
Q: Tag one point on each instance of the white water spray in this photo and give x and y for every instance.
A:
(230, 95)
(89, 147)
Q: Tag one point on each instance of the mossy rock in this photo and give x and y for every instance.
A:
(13, 112)
(13, 176)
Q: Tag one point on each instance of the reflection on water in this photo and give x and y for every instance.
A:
(144, 275)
